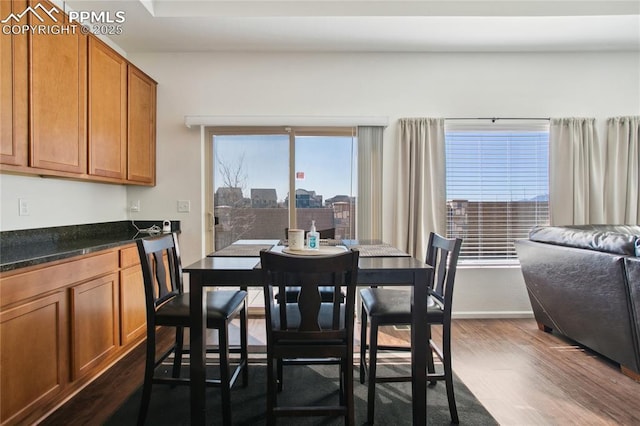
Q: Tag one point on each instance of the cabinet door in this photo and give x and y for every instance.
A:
(133, 314)
(107, 111)
(94, 323)
(34, 356)
(141, 150)
(58, 89)
(13, 91)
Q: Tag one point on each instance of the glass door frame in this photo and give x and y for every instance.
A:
(292, 132)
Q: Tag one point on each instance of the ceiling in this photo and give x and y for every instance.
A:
(372, 25)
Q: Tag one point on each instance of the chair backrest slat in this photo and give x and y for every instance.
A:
(161, 268)
(443, 256)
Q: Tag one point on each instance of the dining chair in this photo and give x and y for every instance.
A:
(167, 305)
(388, 307)
(309, 330)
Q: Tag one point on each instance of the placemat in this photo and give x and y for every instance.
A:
(322, 251)
(241, 250)
(378, 250)
(323, 242)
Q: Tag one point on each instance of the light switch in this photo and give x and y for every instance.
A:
(23, 207)
(184, 206)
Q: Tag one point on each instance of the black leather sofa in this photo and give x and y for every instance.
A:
(584, 283)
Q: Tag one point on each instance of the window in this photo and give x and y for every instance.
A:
(255, 170)
(497, 184)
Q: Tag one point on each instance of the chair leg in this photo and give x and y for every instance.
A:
(348, 392)
(431, 369)
(177, 358)
(363, 345)
(341, 374)
(244, 348)
(279, 364)
(448, 373)
(149, 369)
(373, 360)
(225, 379)
(271, 390)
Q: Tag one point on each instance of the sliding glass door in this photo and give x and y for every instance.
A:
(254, 172)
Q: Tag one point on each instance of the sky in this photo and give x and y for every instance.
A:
(325, 161)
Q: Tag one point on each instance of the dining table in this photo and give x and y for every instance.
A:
(238, 265)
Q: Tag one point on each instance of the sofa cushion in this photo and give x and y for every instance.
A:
(618, 239)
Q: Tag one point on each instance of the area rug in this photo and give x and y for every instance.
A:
(170, 405)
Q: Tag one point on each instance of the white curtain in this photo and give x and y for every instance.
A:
(369, 211)
(622, 177)
(420, 197)
(576, 181)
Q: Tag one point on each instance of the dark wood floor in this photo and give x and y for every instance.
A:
(522, 375)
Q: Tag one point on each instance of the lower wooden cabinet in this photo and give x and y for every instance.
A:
(133, 320)
(61, 324)
(34, 355)
(94, 323)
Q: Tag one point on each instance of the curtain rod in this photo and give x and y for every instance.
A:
(493, 119)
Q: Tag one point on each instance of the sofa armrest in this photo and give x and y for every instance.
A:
(632, 266)
(583, 295)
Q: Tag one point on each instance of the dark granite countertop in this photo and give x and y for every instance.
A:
(22, 248)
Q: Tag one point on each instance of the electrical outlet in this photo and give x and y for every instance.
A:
(135, 206)
(23, 207)
(184, 206)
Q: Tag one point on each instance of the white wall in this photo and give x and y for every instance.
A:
(58, 202)
(595, 84)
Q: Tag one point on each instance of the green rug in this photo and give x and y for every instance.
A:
(170, 406)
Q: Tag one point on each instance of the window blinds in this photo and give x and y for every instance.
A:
(497, 184)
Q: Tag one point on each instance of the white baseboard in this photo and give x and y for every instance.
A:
(490, 314)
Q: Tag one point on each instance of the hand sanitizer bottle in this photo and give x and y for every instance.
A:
(313, 237)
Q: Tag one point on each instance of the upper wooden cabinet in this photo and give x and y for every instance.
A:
(13, 91)
(58, 95)
(141, 163)
(107, 111)
(71, 106)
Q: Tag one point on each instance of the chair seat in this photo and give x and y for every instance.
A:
(394, 306)
(221, 305)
